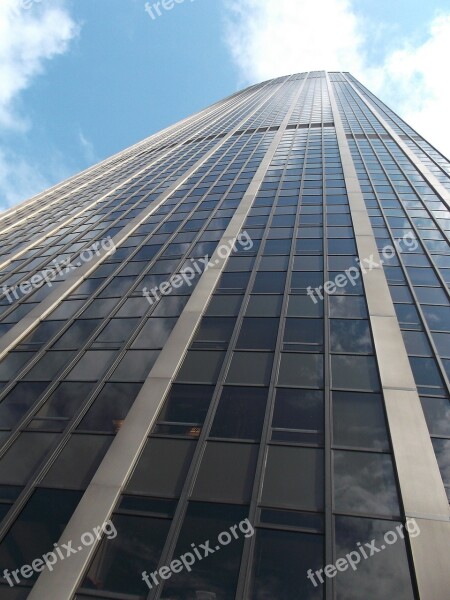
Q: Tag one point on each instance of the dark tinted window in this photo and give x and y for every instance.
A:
(23, 457)
(217, 576)
(201, 367)
(226, 473)
(154, 477)
(350, 336)
(258, 334)
(269, 282)
(364, 483)
(91, 366)
(78, 461)
(386, 571)
(155, 333)
(264, 306)
(347, 307)
(304, 488)
(120, 561)
(214, 333)
(224, 305)
(250, 368)
(117, 331)
(135, 365)
(359, 420)
(303, 335)
(19, 401)
(187, 403)
(240, 413)
(301, 370)
(77, 334)
(280, 558)
(110, 407)
(42, 520)
(300, 409)
(354, 372)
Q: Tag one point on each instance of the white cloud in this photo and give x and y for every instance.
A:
(18, 179)
(88, 148)
(268, 39)
(414, 78)
(28, 38)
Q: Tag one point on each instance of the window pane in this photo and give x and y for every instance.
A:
(426, 375)
(78, 461)
(359, 421)
(304, 306)
(117, 331)
(110, 407)
(264, 306)
(303, 335)
(201, 367)
(249, 368)
(187, 404)
(12, 364)
(281, 560)
(302, 410)
(364, 483)
(19, 401)
(42, 334)
(437, 317)
(442, 450)
(347, 307)
(302, 370)
(350, 336)
(214, 333)
(120, 561)
(224, 305)
(24, 456)
(77, 334)
(269, 282)
(154, 333)
(91, 366)
(49, 366)
(437, 414)
(133, 307)
(153, 477)
(233, 281)
(99, 309)
(65, 400)
(170, 306)
(442, 341)
(240, 413)
(135, 366)
(408, 316)
(273, 263)
(38, 527)
(226, 473)
(258, 334)
(385, 575)
(303, 488)
(216, 577)
(354, 372)
(416, 343)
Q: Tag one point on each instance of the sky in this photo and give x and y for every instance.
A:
(83, 79)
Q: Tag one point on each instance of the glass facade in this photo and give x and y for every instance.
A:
(190, 350)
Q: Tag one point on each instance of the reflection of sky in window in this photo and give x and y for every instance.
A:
(387, 572)
(365, 483)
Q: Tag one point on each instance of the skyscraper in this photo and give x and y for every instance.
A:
(225, 361)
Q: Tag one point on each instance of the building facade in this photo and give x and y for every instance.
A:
(225, 361)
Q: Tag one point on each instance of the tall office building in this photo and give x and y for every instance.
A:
(225, 361)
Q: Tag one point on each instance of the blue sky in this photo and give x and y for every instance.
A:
(83, 79)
